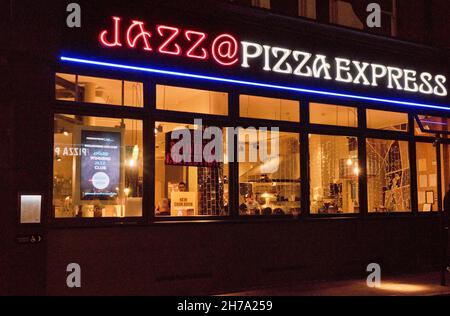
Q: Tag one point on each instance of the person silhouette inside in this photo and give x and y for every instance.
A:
(446, 223)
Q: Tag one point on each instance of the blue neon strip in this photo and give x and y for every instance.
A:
(249, 83)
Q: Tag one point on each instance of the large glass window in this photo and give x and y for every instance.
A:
(334, 173)
(392, 121)
(97, 167)
(269, 108)
(328, 114)
(269, 173)
(69, 87)
(445, 170)
(426, 166)
(190, 180)
(388, 176)
(191, 100)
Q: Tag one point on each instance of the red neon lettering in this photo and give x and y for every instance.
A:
(143, 34)
(103, 34)
(163, 48)
(201, 38)
(224, 50)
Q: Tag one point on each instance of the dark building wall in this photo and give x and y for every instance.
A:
(28, 84)
(439, 23)
(419, 21)
(412, 21)
(207, 258)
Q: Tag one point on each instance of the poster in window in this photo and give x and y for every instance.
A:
(100, 168)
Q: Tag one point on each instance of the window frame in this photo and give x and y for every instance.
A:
(148, 114)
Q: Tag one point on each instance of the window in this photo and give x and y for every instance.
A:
(307, 8)
(426, 165)
(70, 87)
(353, 14)
(97, 167)
(191, 100)
(269, 179)
(425, 125)
(392, 121)
(269, 108)
(328, 114)
(188, 183)
(261, 3)
(334, 173)
(66, 87)
(343, 13)
(388, 176)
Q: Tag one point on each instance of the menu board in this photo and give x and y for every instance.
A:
(100, 167)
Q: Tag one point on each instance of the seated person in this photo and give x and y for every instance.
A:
(164, 208)
(243, 209)
(252, 205)
(278, 211)
(267, 211)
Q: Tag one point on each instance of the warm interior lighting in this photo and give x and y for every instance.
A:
(131, 163)
(65, 133)
(349, 162)
(400, 287)
(135, 154)
(356, 171)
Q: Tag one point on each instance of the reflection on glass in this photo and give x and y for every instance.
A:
(65, 87)
(269, 173)
(426, 165)
(70, 87)
(388, 176)
(392, 121)
(342, 13)
(189, 186)
(97, 167)
(269, 108)
(430, 126)
(328, 114)
(191, 100)
(445, 170)
(334, 173)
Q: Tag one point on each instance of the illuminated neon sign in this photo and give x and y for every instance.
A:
(225, 50)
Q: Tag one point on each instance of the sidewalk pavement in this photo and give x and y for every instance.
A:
(424, 284)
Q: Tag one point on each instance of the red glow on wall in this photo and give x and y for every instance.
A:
(224, 50)
(196, 46)
(142, 34)
(104, 34)
(173, 31)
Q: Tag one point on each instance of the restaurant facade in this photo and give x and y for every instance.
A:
(91, 114)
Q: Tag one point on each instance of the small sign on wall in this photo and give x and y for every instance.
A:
(30, 209)
(183, 203)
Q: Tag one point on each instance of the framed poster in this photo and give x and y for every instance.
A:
(30, 207)
(429, 197)
(427, 207)
(99, 172)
